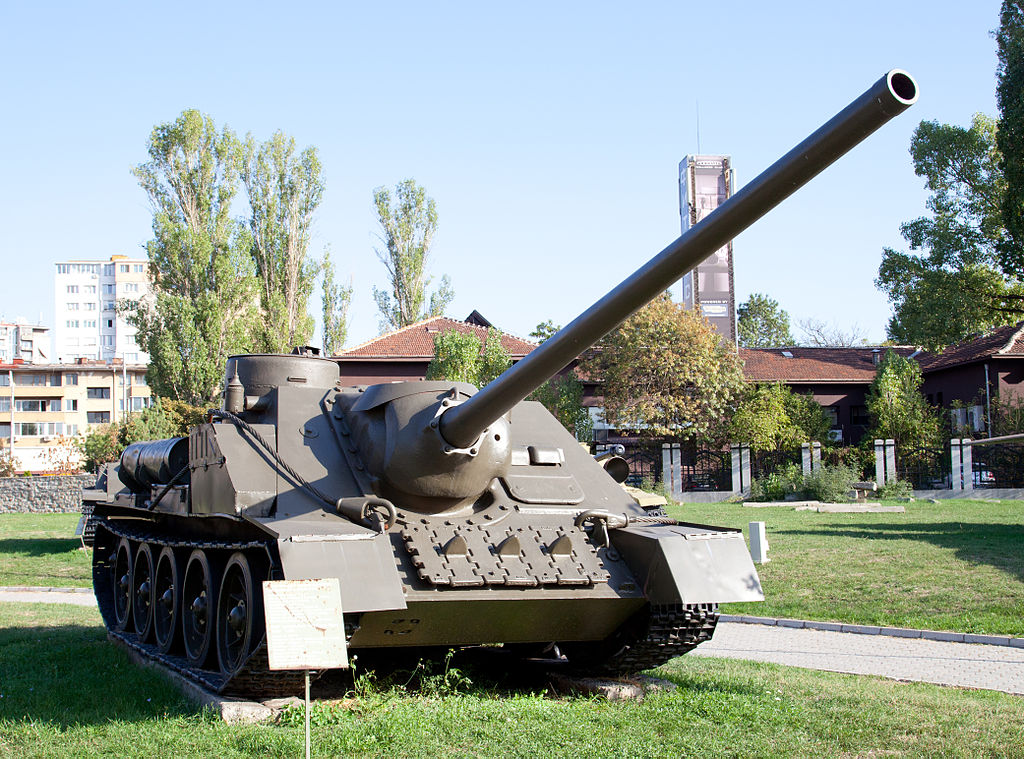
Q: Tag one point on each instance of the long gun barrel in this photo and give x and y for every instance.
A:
(889, 96)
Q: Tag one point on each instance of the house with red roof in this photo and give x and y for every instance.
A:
(405, 353)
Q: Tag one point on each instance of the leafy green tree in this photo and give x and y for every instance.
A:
(897, 408)
(494, 359)
(200, 264)
(952, 282)
(164, 419)
(563, 397)
(408, 223)
(459, 357)
(544, 330)
(761, 323)
(1010, 136)
(666, 371)
(284, 189)
(336, 301)
(770, 417)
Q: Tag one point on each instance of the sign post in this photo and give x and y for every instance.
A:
(305, 628)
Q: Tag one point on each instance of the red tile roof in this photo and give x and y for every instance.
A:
(816, 365)
(1002, 341)
(417, 341)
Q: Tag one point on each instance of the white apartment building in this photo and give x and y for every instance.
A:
(87, 324)
(28, 342)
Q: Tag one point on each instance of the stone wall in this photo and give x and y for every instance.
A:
(43, 494)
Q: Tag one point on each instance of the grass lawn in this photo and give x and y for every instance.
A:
(953, 565)
(42, 550)
(66, 691)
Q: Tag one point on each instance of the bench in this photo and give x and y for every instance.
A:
(861, 490)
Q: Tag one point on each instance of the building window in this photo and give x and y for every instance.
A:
(108, 289)
(72, 306)
(29, 379)
(97, 417)
(859, 416)
(90, 306)
(5, 380)
(97, 392)
(71, 404)
(110, 322)
(72, 429)
(138, 268)
(131, 287)
(70, 378)
(30, 404)
(5, 404)
(72, 288)
(106, 340)
(108, 305)
(108, 270)
(124, 268)
(140, 403)
(5, 429)
(832, 412)
(63, 268)
(89, 289)
(89, 323)
(139, 379)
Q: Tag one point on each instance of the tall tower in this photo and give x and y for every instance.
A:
(705, 182)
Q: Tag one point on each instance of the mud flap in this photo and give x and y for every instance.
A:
(687, 564)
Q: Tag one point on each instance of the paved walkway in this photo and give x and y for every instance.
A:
(966, 665)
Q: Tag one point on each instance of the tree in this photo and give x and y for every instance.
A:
(284, 189)
(408, 224)
(666, 371)
(336, 301)
(830, 335)
(1010, 136)
(544, 330)
(762, 324)
(459, 357)
(771, 417)
(956, 285)
(164, 419)
(897, 408)
(199, 258)
(563, 397)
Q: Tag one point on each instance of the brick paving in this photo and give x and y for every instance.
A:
(965, 665)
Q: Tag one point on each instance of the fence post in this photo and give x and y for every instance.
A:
(879, 462)
(890, 461)
(667, 470)
(967, 460)
(956, 474)
(805, 458)
(815, 456)
(737, 481)
(745, 467)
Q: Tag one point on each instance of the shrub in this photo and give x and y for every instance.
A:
(831, 484)
(8, 464)
(895, 490)
(776, 486)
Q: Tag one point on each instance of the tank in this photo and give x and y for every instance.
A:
(450, 516)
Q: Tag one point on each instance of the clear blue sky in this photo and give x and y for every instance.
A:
(548, 133)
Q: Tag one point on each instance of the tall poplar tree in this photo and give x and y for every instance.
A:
(200, 265)
(285, 189)
(408, 223)
(1010, 135)
(336, 299)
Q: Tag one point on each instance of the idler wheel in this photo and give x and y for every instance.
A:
(166, 600)
(198, 607)
(142, 591)
(122, 585)
(239, 614)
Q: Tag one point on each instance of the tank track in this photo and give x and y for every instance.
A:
(656, 636)
(254, 679)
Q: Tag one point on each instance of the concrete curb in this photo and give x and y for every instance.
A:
(895, 632)
(35, 589)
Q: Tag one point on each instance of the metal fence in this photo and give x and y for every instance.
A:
(763, 463)
(924, 468)
(643, 457)
(998, 465)
(687, 468)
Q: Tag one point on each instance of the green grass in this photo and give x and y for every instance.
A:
(67, 692)
(953, 565)
(42, 550)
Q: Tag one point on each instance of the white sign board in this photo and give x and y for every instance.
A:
(305, 629)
